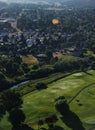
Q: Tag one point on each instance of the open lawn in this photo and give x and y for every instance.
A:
(40, 104)
(29, 60)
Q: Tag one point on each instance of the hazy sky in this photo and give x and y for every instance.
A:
(26, 0)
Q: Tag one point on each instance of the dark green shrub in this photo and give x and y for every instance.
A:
(41, 86)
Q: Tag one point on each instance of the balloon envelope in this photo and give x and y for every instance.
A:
(55, 21)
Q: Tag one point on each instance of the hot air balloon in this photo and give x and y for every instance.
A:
(55, 21)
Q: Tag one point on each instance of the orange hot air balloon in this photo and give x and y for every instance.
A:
(55, 21)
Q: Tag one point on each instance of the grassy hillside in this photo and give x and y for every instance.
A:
(40, 104)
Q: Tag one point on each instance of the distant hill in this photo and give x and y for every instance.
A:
(2, 4)
(73, 3)
(81, 3)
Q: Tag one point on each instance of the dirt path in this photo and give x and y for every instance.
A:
(80, 92)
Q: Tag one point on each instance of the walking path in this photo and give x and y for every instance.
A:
(80, 92)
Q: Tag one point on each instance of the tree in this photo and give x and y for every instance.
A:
(68, 117)
(40, 123)
(61, 105)
(11, 100)
(2, 77)
(49, 55)
(16, 117)
(51, 120)
(93, 65)
(41, 86)
(2, 108)
(5, 38)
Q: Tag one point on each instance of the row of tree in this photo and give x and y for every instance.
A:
(11, 102)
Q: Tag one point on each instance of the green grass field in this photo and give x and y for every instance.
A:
(40, 104)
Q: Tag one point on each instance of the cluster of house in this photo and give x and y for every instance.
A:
(24, 40)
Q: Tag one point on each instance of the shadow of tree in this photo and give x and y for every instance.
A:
(22, 127)
(56, 128)
(68, 117)
(42, 128)
(72, 121)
